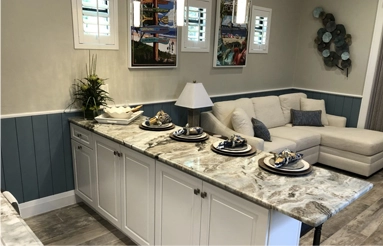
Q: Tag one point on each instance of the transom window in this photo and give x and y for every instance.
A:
(95, 24)
(260, 30)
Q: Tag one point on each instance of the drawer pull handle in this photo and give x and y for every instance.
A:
(79, 147)
(115, 153)
(79, 135)
(203, 194)
(119, 154)
(196, 191)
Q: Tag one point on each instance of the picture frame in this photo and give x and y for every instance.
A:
(231, 40)
(155, 43)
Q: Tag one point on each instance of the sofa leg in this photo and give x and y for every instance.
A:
(317, 234)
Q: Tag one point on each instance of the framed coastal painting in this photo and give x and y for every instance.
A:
(153, 44)
(230, 44)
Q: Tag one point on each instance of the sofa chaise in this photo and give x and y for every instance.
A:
(352, 149)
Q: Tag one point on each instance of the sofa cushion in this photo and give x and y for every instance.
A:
(241, 122)
(303, 139)
(278, 144)
(290, 101)
(260, 130)
(224, 110)
(269, 111)
(313, 104)
(356, 140)
(306, 118)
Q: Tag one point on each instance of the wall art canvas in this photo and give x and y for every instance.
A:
(154, 43)
(230, 48)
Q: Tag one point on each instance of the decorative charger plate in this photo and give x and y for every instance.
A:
(190, 138)
(163, 127)
(106, 119)
(247, 151)
(261, 164)
(298, 166)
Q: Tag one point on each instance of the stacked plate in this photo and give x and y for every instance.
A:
(237, 151)
(163, 127)
(190, 138)
(298, 168)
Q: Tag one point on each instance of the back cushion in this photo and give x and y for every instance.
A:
(290, 101)
(269, 111)
(224, 110)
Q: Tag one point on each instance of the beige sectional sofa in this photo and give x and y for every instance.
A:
(356, 150)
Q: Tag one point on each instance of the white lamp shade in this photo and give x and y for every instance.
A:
(194, 96)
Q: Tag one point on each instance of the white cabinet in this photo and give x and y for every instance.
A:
(189, 211)
(84, 172)
(178, 207)
(108, 170)
(138, 182)
(230, 220)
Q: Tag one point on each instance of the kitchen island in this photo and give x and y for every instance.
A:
(285, 201)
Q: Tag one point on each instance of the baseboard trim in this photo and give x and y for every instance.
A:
(46, 204)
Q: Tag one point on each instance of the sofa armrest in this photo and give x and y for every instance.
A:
(338, 121)
(211, 124)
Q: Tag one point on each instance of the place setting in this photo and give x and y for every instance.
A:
(160, 122)
(234, 146)
(189, 134)
(286, 163)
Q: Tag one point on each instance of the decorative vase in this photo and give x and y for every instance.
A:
(89, 114)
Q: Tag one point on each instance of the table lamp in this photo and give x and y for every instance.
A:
(193, 97)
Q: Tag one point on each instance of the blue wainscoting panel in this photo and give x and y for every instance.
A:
(56, 147)
(27, 158)
(3, 187)
(11, 160)
(67, 150)
(43, 159)
(345, 106)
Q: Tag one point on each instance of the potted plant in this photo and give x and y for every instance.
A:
(88, 92)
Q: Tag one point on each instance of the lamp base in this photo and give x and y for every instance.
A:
(193, 117)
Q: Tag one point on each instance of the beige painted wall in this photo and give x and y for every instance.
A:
(39, 63)
(310, 71)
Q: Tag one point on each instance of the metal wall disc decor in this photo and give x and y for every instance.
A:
(336, 33)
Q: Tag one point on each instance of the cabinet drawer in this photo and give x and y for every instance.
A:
(82, 136)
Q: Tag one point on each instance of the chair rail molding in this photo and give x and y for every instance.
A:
(371, 66)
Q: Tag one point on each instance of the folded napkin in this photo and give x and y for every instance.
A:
(286, 157)
(195, 130)
(234, 141)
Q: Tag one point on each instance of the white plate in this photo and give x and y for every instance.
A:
(167, 125)
(233, 150)
(202, 135)
(106, 119)
(306, 165)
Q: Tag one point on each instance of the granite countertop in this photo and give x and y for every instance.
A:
(14, 230)
(312, 199)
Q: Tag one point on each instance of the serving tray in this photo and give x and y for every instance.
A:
(106, 119)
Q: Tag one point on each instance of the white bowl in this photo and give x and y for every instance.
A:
(119, 112)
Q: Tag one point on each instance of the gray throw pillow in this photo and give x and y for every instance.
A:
(306, 118)
(260, 130)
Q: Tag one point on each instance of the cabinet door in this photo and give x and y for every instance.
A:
(230, 220)
(178, 208)
(138, 180)
(108, 171)
(84, 173)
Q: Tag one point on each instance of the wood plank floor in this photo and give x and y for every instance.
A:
(76, 225)
(361, 223)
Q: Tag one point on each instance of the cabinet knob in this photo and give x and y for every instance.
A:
(79, 135)
(115, 152)
(119, 154)
(196, 191)
(203, 194)
(79, 147)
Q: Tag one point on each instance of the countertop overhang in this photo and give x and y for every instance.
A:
(312, 199)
